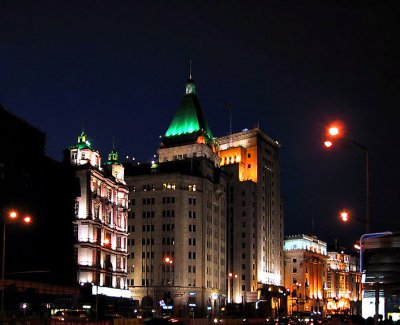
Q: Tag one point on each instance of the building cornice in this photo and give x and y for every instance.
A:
(247, 134)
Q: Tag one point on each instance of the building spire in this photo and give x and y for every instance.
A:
(190, 86)
(229, 108)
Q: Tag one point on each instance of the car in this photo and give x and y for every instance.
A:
(71, 315)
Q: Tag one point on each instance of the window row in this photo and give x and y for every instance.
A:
(147, 228)
(148, 200)
(168, 241)
(148, 214)
(168, 227)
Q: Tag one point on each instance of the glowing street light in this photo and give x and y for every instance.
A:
(328, 143)
(231, 276)
(335, 133)
(344, 215)
(27, 219)
(11, 216)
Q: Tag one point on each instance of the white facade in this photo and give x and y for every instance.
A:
(100, 221)
(181, 217)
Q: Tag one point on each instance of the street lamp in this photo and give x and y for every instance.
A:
(295, 295)
(335, 133)
(168, 260)
(344, 215)
(11, 216)
(231, 276)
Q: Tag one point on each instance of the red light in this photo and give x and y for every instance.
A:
(328, 143)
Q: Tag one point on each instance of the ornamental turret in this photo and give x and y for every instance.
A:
(114, 167)
(83, 152)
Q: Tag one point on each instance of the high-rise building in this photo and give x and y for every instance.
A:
(177, 221)
(100, 220)
(305, 273)
(255, 215)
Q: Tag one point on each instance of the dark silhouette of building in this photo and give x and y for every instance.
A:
(33, 184)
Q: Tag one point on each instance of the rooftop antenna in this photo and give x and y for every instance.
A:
(190, 69)
(113, 143)
(229, 108)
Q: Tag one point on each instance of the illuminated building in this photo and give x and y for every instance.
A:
(381, 275)
(343, 284)
(305, 273)
(100, 220)
(177, 210)
(255, 217)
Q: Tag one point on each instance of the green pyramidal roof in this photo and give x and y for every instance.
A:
(189, 117)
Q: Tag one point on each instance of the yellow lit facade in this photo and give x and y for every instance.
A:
(246, 158)
(255, 219)
(305, 273)
(343, 283)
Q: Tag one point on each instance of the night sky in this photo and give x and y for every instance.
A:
(118, 69)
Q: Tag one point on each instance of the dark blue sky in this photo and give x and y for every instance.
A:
(118, 68)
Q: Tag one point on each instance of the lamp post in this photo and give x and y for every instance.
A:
(168, 261)
(231, 276)
(11, 216)
(346, 216)
(335, 133)
(295, 296)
